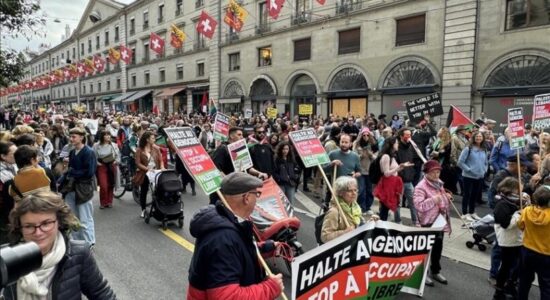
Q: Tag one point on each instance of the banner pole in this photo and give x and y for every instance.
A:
(340, 210)
(260, 257)
(519, 180)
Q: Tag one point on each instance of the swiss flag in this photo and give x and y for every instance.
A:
(80, 69)
(28, 85)
(206, 25)
(99, 63)
(52, 77)
(156, 43)
(274, 7)
(322, 2)
(125, 54)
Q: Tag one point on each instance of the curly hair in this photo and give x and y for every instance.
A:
(42, 202)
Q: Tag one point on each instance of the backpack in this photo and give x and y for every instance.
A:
(126, 149)
(375, 172)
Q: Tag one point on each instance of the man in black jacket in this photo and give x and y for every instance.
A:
(262, 153)
(406, 153)
(421, 136)
(225, 262)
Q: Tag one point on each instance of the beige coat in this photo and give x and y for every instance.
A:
(334, 224)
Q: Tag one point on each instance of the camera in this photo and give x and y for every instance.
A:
(18, 261)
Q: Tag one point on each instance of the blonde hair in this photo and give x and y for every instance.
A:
(5, 136)
(22, 129)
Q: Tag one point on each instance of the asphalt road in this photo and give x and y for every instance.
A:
(142, 262)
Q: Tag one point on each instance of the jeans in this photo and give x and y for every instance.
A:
(408, 194)
(384, 211)
(531, 263)
(365, 198)
(289, 191)
(507, 271)
(491, 198)
(144, 190)
(473, 188)
(495, 260)
(85, 213)
(460, 180)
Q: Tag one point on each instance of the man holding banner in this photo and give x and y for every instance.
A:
(224, 263)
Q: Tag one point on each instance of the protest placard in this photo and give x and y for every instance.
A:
(541, 111)
(429, 105)
(516, 125)
(305, 109)
(221, 127)
(309, 147)
(248, 113)
(271, 206)
(375, 261)
(240, 156)
(92, 124)
(194, 157)
(272, 112)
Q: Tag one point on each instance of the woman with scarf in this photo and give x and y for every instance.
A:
(108, 158)
(334, 224)
(441, 151)
(432, 200)
(8, 170)
(68, 268)
(366, 147)
(389, 188)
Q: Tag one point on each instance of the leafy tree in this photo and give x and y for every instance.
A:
(18, 18)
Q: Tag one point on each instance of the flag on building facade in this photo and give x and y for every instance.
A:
(456, 118)
(89, 65)
(59, 74)
(235, 15)
(156, 43)
(99, 63)
(206, 25)
(274, 7)
(322, 2)
(114, 56)
(125, 54)
(80, 69)
(177, 36)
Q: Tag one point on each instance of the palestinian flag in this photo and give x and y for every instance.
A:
(457, 117)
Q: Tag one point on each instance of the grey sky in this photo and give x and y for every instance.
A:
(66, 11)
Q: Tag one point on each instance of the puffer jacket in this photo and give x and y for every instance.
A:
(425, 196)
(77, 274)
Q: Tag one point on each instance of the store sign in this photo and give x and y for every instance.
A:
(309, 147)
(541, 111)
(194, 157)
(428, 105)
(516, 125)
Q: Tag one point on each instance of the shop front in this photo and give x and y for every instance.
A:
(165, 99)
(348, 93)
(303, 93)
(232, 100)
(141, 101)
(263, 95)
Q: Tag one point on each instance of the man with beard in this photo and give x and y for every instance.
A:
(406, 153)
(346, 161)
(262, 153)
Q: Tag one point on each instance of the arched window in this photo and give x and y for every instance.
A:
(261, 87)
(408, 74)
(348, 79)
(233, 89)
(524, 70)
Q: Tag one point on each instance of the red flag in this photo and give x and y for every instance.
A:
(322, 2)
(457, 117)
(52, 77)
(99, 63)
(44, 83)
(156, 43)
(206, 25)
(125, 54)
(274, 7)
(80, 69)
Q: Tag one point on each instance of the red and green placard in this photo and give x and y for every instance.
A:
(194, 157)
(309, 147)
(221, 127)
(516, 126)
(541, 111)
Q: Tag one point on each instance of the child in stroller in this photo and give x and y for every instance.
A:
(167, 205)
(483, 231)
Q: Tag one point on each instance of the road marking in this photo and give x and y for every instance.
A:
(305, 212)
(308, 203)
(178, 239)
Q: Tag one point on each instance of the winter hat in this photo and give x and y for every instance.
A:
(430, 166)
(364, 130)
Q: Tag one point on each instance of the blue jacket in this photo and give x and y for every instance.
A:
(474, 162)
(82, 165)
(499, 154)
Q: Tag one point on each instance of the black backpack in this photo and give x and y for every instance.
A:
(375, 172)
(126, 149)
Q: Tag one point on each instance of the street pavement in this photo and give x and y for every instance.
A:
(141, 261)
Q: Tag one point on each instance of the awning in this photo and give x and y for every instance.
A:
(405, 90)
(137, 95)
(123, 96)
(108, 97)
(230, 100)
(169, 92)
(515, 91)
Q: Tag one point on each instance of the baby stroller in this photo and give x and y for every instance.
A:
(483, 231)
(166, 205)
(273, 218)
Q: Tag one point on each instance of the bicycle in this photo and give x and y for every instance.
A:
(126, 175)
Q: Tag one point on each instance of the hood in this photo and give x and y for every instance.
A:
(538, 215)
(210, 218)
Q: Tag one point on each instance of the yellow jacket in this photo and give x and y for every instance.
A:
(535, 223)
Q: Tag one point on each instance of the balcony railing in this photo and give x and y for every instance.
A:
(200, 44)
(132, 31)
(178, 11)
(160, 19)
(178, 50)
(262, 28)
(199, 3)
(145, 25)
(346, 8)
(231, 37)
(300, 18)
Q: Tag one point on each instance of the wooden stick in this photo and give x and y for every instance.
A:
(519, 179)
(333, 195)
(260, 258)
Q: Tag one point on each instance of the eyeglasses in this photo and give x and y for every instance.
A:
(45, 226)
(352, 191)
(260, 132)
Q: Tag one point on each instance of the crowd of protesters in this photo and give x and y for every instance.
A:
(421, 167)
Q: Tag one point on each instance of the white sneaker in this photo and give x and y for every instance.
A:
(142, 213)
(467, 218)
(475, 216)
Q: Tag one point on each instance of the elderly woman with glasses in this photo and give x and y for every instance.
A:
(68, 268)
(334, 225)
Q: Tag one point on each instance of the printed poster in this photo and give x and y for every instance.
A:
(429, 105)
(240, 156)
(272, 206)
(541, 111)
(194, 157)
(272, 112)
(221, 127)
(516, 125)
(309, 147)
(305, 109)
(376, 261)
